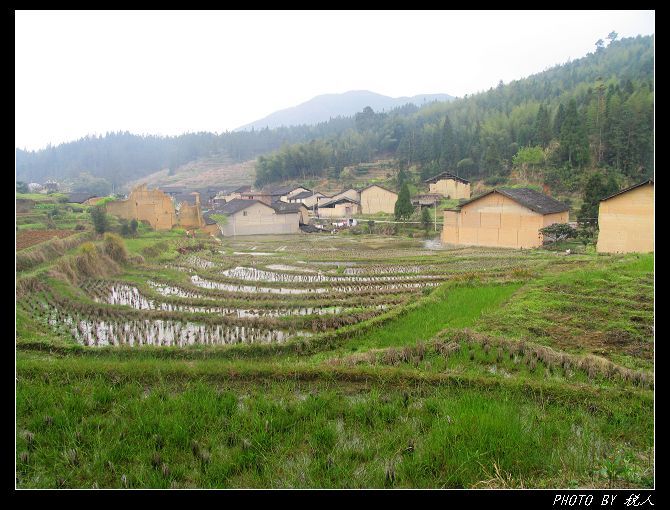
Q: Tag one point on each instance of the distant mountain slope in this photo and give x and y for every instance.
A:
(321, 108)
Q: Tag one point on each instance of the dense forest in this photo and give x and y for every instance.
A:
(594, 112)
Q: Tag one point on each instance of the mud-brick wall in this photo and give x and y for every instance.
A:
(626, 222)
(376, 199)
(190, 216)
(497, 221)
(152, 206)
(451, 188)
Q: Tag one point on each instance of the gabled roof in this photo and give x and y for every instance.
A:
(648, 181)
(280, 190)
(533, 200)
(284, 208)
(378, 186)
(242, 189)
(304, 194)
(79, 197)
(334, 202)
(236, 205)
(446, 176)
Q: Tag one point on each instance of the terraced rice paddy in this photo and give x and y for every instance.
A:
(326, 361)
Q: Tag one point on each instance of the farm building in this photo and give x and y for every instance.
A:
(376, 199)
(342, 207)
(503, 217)
(449, 186)
(626, 220)
(251, 217)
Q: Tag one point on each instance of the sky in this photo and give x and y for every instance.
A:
(91, 72)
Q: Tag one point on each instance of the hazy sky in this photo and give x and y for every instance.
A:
(81, 73)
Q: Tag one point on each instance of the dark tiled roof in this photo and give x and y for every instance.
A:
(284, 208)
(187, 197)
(280, 190)
(533, 200)
(336, 201)
(79, 197)
(372, 185)
(648, 181)
(303, 194)
(207, 216)
(446, 176)
(237, 205)
(242, 189)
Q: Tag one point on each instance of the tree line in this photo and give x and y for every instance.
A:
(595, 112)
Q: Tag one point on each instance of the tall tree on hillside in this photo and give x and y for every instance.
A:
(542, 127)
(403, 206)
(449, 149)
(558, 120)
(574, 144)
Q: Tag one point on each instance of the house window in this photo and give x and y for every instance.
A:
(244, 213)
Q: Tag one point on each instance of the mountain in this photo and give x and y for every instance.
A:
(327, 106)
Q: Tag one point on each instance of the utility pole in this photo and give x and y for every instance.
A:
(435, 202)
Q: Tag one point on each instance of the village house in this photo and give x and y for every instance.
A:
(626, 220)
(294, 190)
(308, 198)
(236, 193)
(252, 217)
(449, 186)
(375, 199)
(300, 209)
(342, 207)
(505, 217)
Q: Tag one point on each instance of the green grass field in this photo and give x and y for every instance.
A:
(331, 361)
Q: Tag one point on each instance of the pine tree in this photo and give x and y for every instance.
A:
(542, 128)
(403, 206)
(425, 218)
(449, 149)
(574, 143)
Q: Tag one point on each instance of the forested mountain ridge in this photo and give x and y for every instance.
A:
(594, 112)
(324, 107)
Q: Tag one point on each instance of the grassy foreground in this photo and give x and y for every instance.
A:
(517, 370)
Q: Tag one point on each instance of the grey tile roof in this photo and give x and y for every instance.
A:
(79, 197)
(284, 208)
(533, 200)
(303, 194)
(648, 181)
(334, 202)
(447, 176)
(237, 205)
